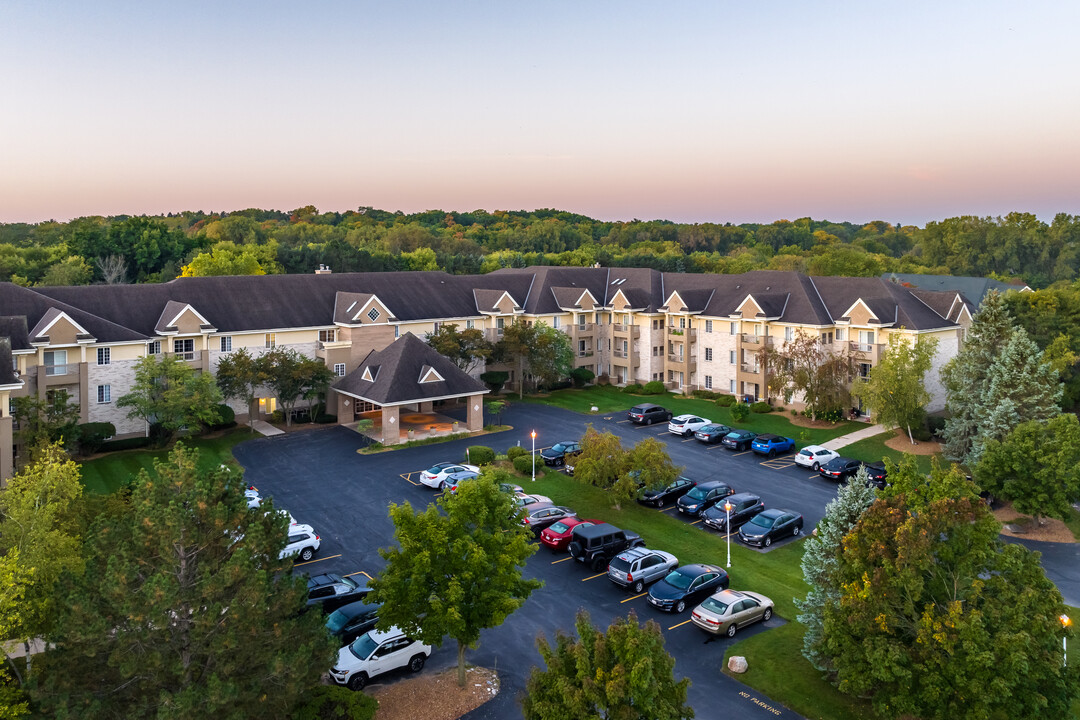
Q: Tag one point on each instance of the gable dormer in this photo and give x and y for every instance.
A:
(370, 373)
(56, 327)
(873, 312)
(179, 318)
(361, 309)
(429, 374)
(675, 303)
(749, 309)
(496, 302)
(574, 299)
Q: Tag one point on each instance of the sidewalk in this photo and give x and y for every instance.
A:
(851, 438)
(264, 428)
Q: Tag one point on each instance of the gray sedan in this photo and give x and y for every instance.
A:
(728, 610)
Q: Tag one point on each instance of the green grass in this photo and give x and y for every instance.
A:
(873, 449)
(1073, 523)
(610, 399)
(115, 470)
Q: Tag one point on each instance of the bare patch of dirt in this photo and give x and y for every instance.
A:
(435, 696)
(1052, 529)
(806, 422)
(899, 441)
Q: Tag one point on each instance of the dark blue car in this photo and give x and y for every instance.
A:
(770, 445)
(686, 585)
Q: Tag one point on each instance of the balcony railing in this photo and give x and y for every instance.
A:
(188, 355)
(676, 358)
(585, 353)
(633, 330)
(862, 347)
(757, 339)
(584, 327)
(682, 332)
(620, 353)
(57, 370)
(750, 369)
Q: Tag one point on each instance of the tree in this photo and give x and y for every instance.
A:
(39, 528)
(602, 460)
(185, 609)
(293, 376)
(454, 574)
(466, 348)
(805, 365)
(239, 376)
(228, 258)
(605, 463)
(895, 390)
(821, 558)
(550, 355)
(623, 673)
(51, 419)
(72, 270)
(113, 269)
(650, 468)
(514, 348)
(937, 618)
(496, 408)
(12, 588)
(168, 394)
(1036, 466)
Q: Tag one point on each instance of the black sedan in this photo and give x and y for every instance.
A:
(558, 453)
(877, 473)
(739, 440)
(712, 434)
(689, 584)
(351, 621)
(840, 469)
(669, 494)
(769, 525)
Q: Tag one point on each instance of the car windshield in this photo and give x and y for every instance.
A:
(336, 621)
(559, 528)
(363, 646)
(350, 582)
(696, 494)
(435, 470)
(762, 521)
(714, 605)
(678, 580)
(558, 447)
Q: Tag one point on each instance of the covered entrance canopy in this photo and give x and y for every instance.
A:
(408, 376)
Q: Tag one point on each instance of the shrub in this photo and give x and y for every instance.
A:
(582, 376)
(334, 702)
(828, 414)
(559, 385)
(794, 412)
(633, 388)
(494, 379)
(921, 433)
(125, 444)
(725, 400)
(705, 394)
(226, 417)
(278, 416)
(515, 452)
(936, 424)
(325, 419)
(761, 407)
(739, 412)
(653, 387)
(524, 463)
(93, 435)
(480, 455)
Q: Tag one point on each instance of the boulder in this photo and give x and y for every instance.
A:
(737, 664)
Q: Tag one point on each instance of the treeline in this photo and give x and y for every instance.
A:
(157, 249)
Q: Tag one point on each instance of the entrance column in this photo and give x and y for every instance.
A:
(390, 422)
(426, 406)
(476, 412)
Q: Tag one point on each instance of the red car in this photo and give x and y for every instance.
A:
(557, 536)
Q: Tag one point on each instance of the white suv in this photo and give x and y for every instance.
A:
(302, 542)
(687, 425)
(814, 456)
(375, 653)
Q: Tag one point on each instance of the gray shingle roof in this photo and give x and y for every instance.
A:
(972, 288)
(14, 328)
(34, 304)
(7, 364)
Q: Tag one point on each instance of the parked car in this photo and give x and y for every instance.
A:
(538, 517)
(251, 494)
(560, 452)
(840, 469)
(647, 414)
(557, 536)
(814, 456)
(450, 484)
(877, 473)
(436, 475)
(528, 501)
(771, 445)
(738, 440)
(728, 610)
(686, 585)
(303, 542)
(711, 433)
(703, 496)
(596, 545)
(687, 425)
(330, 591)
(743, 507)
(640, 566)
(770, 525)
(375, 653)
(351, 621)
(671, 493)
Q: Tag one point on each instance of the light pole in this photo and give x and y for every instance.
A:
(1066, 621)
(727, 525)
(534, 456)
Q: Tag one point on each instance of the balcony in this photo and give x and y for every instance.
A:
(191, 356)
(676, 358)
(584, 353)
(866, 351)
(620, 353)
(750, 369)
(61, 370)
(763, 340)
(688, 333)
(583, 329)
(633, 331)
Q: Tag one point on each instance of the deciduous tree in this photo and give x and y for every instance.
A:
(466, 348)
(895, 390)
(550, 355)
(803, 365)
(239, 376)
(168, 395)
(293, 376)
(42, 421)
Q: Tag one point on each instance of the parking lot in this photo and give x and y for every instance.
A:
(324, 482)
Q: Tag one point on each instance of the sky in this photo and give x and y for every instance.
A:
(688, 111)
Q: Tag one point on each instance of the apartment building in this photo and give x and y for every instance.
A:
(627, 325)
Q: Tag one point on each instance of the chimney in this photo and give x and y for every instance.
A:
(323, 270)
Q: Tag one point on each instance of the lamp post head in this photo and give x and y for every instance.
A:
(533, 433)
(1066, 621)
(727, 506)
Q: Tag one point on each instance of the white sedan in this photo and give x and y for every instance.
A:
(687, 425)
(814, 456)
(437, 475)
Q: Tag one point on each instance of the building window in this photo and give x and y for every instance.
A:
(325, 336)
(397, 331)
(555, 322)
(731, 328)
(708, 326)
(864, 370)
(373, 314)
(104, 356)
(271, 340)
(789, 334)
(56, 362)
(581, 321)
(500, 323)
(655, 326)
(733, 386)
(104, 394)
(470, 324)
(708, 353)
(671, 375)
(841, 334)
(184, 348)
(153, 348)
(708, 382)
(226, 343)
(339, 369)
(731, 357)
(682, 323)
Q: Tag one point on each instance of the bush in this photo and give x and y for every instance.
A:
(93, 435)
(325, 419)
(725, 400)
(739, 412)
(558, 385)
(125, 444)
(515, 452)
(761, 407)
(226, 417)
(794, 412)
(480, 455)
(278, 416)
(524, 463)
(334, 702)
(705, 394)
(582, 376)
(936, 424)
(494, 379)
(920, 433)
(633, 388)
(828, 414)
(653, 387)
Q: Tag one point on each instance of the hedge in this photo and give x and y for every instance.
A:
(725, 400)
(582, 376)
(653, 387)
(633, 388)
(125, 444)
(92, 436)
(739, 412)
(761, 407)
(706, 394)
(524, 463)
(480, 455)
(515, 452)
(325, 418)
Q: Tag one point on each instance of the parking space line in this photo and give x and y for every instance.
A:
(680, 624)
(697, 521)
(408, 476)
(593, 577)
(328, 557)
(620, 422)
(815, 475)
(670, 507)
(360, 572)
(634, 598)
(689, 439)
(744, 452)
(556, 562)
(714, 447)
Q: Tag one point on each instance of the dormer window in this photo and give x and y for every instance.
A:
(373, 314)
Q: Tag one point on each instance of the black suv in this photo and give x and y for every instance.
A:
(596, 545)
(330, 591)
(647, 414)
(558, 453)
(744, 506)
(704, 496)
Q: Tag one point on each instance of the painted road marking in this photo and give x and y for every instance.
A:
(714, 447)
(593, 577)
(778, 464)
(761, 703)
(556, 562)
(697, 521)
(408, 476)
(328, 557)
(360, 572)
(669, 507)
(634, 598)
(744, 452)
(815, 475)
(680, 624)
(690, 439)
(620, 422)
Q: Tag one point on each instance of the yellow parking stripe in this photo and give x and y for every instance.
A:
(408, 477)
(680, 624)
(603, 574)
(328, 557)
(669, 507)
(634, 598)
(744, 452)
(697, 521)
(360, 572)
(556, 562)
(690, 439)
(714, 447)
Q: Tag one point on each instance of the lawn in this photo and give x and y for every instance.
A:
(609, 399)
(873, 449)
(109, 473)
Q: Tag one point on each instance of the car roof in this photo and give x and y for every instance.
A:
(444, 464)
(645, 406)
(687, 416)
(742, 496)
(736, 431)
(537, 507)
(772, 512)
(768, 436)
(635, 553)
(323, 579)
(355, 608)
(710, 484)
(840, 459)
(597, 529)
(815, 448)
(730, 596)
(297, 527)
(696, 569)
(384, 635)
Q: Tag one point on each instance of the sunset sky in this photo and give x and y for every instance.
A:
(689, 111)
